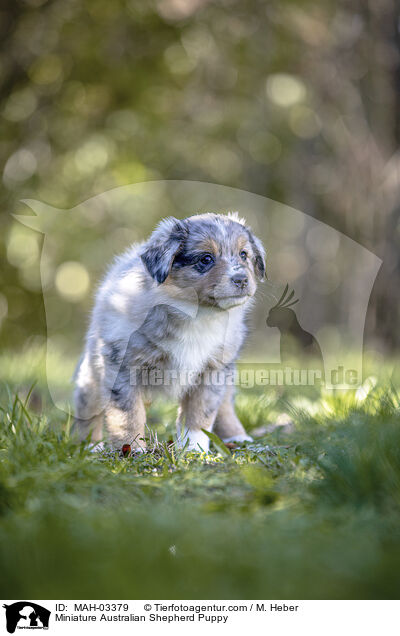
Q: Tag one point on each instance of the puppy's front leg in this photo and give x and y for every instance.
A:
(198, 409)
(125, 414)
(227, 424)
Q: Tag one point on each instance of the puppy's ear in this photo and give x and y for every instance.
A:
(259, 263)
(161, 248)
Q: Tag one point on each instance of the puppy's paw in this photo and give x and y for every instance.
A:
(241, 437)
(196, 440)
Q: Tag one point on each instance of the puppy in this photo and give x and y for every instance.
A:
(173, 307)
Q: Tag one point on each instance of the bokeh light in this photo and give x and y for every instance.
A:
(22, 248)
(285, 90)
(72, 281)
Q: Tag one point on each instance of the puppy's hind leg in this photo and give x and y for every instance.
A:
(89, 411)
(125, 413)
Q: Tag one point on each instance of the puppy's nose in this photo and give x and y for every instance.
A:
(240, 280)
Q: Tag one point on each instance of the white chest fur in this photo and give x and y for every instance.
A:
(207, 337)
(199, 340)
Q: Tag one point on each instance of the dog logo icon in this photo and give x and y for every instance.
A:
(26, 615)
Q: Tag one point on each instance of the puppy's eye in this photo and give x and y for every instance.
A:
(207, 259)
(243, 255)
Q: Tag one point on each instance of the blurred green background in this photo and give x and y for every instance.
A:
(298, 102)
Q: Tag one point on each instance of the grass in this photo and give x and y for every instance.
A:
(310, 510)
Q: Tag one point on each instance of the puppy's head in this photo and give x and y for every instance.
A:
(217, 255)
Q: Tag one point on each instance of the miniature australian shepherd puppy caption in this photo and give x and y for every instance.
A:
(169, 318)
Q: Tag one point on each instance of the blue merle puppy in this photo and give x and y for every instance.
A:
(169, 318)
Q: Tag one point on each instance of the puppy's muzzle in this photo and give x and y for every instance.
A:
(240, 281)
